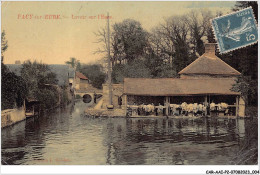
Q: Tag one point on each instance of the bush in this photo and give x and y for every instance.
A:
(135, 69)
(78, 96)
(48, 98)
(64, 97)
(94, 74)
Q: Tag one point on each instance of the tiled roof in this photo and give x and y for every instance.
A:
(178, 87)
(209, 64)
(81, 76)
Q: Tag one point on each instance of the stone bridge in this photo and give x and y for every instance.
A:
(82, 93)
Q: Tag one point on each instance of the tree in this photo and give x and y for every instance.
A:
(13, 89)
(129, 40)
(94, 74)
(244, 4)
(199, 25)
(74, 63)
(135, 69)
(37, 76)
(4, 45)
(245, 60)
(176, 29)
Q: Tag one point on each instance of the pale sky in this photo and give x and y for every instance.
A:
(54, 41)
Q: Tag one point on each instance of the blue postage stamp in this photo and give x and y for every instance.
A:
(235, 30)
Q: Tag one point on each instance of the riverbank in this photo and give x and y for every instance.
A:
(12, 116)
(97, 110)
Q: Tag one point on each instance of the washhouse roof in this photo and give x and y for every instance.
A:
(209, 64)
(178, 87)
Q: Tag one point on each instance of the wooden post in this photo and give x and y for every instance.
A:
(206, 101)
(109, 64)
(167, 106)
(124, 104)
(236, 106)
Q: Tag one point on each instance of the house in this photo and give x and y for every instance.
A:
(82, 81)
(207, 80)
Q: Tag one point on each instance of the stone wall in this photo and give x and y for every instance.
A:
(117, 90)
(12, 116)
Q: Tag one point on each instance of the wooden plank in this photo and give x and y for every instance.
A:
(236, 106)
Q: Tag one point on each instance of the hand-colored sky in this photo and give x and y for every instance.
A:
(55, 41)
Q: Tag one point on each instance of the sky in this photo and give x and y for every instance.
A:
(54, 41)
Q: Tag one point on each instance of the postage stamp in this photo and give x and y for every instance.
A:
(235, 30)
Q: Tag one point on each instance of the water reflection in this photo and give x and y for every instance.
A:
(67, 137)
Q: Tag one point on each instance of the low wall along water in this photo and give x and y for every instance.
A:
(11, 116)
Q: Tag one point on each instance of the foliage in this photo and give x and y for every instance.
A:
(37, 76)
(4, 43)
(13, 89)
(64, 97)
(245, 60)
(244, 4)
(135, 69)
(129, 40)
(78, 96)
(199, 24)
(74, 63)
(94, 73)
(167, 72)
(47, 97)
(174, 44)
(247, 87)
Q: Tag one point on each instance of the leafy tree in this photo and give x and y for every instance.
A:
(245, 60)
(247, 87)
(4, 45)
(199, 24)
(37, 76)
(74, 63)
(129, 39)
(135, 69)
(13, 89)
(95, 74)
(244, 4)
(174, 35)
(48, 98)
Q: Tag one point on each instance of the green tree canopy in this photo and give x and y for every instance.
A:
(129, 40)
(94, 73)
(4, 44)
(37, 76)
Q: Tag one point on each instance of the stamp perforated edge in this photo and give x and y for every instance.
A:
(229, 14)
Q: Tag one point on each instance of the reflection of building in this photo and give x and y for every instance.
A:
(72, 80)
(82, 81)
(206, 80)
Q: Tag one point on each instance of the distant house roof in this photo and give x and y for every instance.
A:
(81, 76)
(178, 87)
(15, 68)
(210, 64)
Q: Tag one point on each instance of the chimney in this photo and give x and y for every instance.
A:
(210, 48)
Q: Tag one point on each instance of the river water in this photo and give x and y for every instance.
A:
(67, 137)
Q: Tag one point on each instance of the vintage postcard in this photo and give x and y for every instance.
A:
(130, 83)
